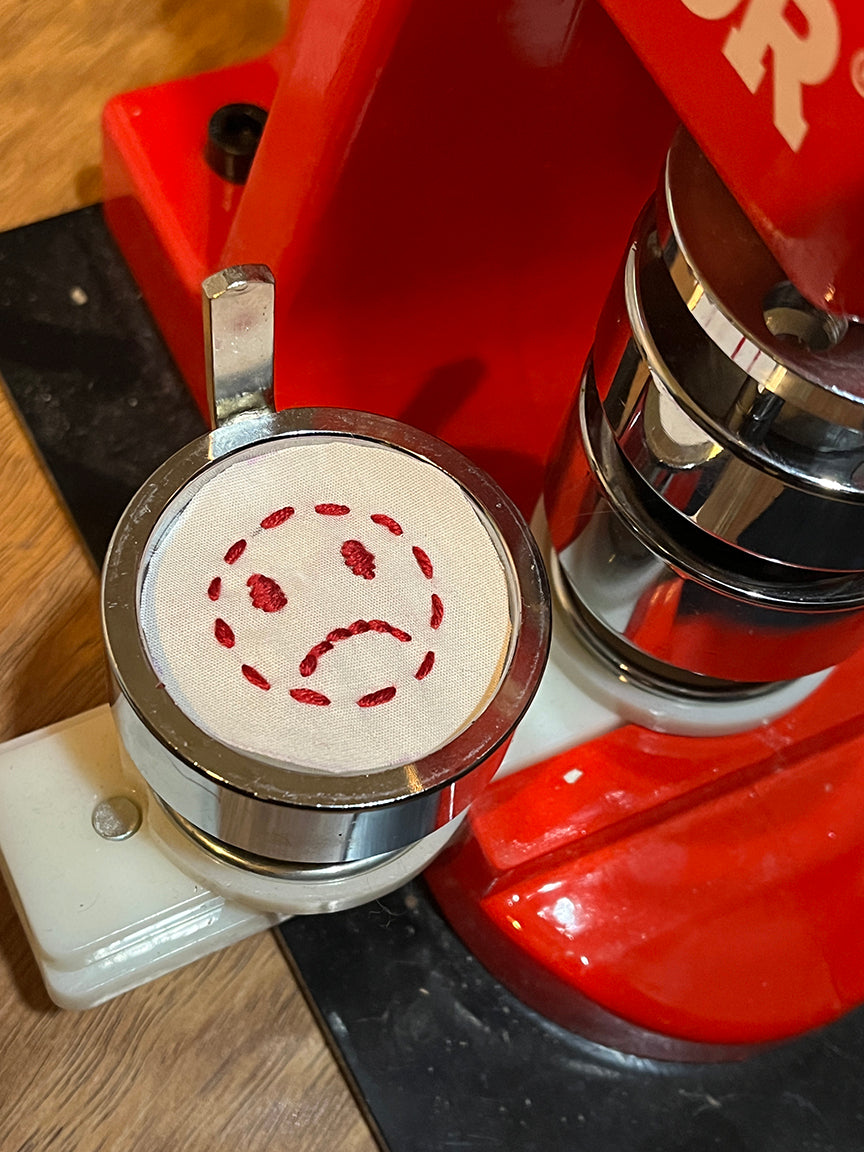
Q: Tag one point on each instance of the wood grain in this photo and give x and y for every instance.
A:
(60, 62)
(225, 1054)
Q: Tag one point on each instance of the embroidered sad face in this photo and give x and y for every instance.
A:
(267, 595)
(338, 605)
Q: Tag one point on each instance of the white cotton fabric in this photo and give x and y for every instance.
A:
(303, 556)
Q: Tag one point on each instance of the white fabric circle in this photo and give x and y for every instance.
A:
(337, 605)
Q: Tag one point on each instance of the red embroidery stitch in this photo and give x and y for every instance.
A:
(223, 634)
(379, 697)
(339, 634)
(276, 518)
(383, 626)
(307, 696)
(235, 552)
(215, 588)
(332, 509)
(426, 667)
(359, 559)
(423, 561)
(266, 593)
(387, 522)
(254, 677)
(310, 661)
(437, 612)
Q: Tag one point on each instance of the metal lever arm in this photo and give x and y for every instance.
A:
(238, 341)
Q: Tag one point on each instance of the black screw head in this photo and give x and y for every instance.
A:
(233, 135)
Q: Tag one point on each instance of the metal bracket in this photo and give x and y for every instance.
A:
(238, 340)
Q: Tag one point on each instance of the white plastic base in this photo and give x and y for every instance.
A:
(104, 916)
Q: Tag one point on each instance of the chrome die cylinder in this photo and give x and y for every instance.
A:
(232, 715)
(706, 497)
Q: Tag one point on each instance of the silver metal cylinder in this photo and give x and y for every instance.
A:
(706, 496)
(277, 812)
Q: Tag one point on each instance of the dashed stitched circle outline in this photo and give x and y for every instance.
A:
(267, 596)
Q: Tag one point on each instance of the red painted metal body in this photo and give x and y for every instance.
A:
(436, 195)
(443, 191)
(773, 91)
(709, 889)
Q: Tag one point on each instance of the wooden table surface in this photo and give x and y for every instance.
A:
(224, 1054)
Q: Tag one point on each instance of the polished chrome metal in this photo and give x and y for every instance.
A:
(277, 869)
(284, 811)
(713, 465)
(640, 669)
(670, 606)
(117, 818)
(238, 341)
(748, 434)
